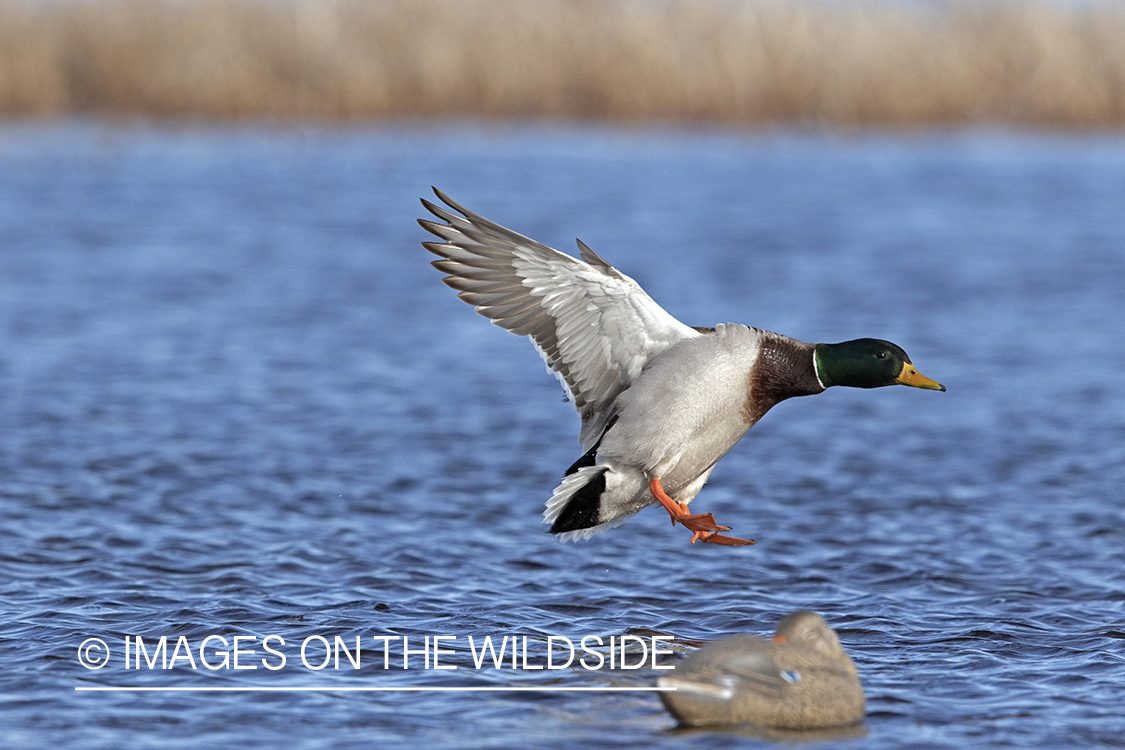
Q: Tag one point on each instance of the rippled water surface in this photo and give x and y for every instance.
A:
(236, 400)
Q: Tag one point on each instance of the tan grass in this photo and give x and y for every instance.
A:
(747, 62)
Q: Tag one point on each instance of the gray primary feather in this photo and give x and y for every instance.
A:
(594, 326)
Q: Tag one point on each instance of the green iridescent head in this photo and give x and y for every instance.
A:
(868, 363)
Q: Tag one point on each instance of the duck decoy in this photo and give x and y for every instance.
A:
(800, 679)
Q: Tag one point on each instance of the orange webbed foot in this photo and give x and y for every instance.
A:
(701, 522)
(703, 525)
(726, 541)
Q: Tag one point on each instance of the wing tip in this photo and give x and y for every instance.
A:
(444, 198)
(595, 260)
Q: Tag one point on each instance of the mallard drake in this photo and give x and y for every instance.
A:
(800, 679)
(661, 402)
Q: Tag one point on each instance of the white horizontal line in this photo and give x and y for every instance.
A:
(319, 689)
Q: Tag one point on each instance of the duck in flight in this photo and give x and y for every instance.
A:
(660, 401)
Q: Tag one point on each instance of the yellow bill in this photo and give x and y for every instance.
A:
(910, 376)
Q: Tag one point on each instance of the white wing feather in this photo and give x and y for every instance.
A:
(594, 326)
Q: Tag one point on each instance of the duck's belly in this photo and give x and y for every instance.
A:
(680, 473)
(685, 411)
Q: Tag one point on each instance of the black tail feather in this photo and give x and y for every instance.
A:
(581, 511)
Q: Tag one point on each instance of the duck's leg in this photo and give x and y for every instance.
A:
(697, 522)
(702, 524)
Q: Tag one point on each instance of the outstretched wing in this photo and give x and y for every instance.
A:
(594, 326)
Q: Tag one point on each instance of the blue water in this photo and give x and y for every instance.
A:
(235, 400)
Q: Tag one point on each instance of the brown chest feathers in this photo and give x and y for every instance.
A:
(784, 369)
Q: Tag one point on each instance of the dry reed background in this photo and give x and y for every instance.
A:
(746, 62)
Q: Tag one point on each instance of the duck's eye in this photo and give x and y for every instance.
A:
(881, 355)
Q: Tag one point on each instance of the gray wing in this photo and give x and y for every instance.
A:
(593, 325)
